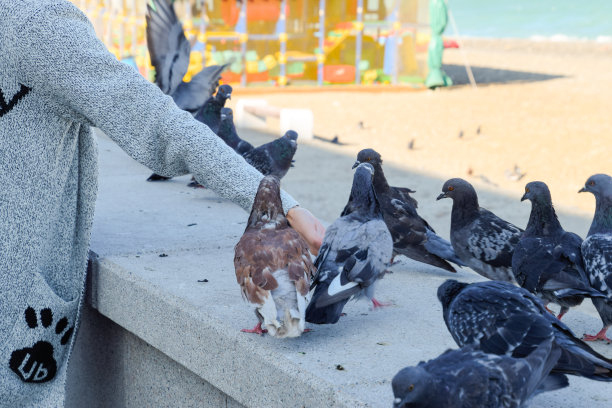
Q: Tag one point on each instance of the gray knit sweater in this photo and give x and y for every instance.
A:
(56, 81)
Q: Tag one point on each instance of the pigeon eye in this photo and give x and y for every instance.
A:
(526, 189)
(369, 159)
(591, 183)
(411, 387)
(451, 188)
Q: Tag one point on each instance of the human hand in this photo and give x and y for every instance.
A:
(308, 226)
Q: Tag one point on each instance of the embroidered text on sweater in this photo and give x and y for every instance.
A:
(7, 106)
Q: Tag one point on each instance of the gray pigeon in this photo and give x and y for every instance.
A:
(274, 157)
(412, 235)
(502, 318)
(597, 250)
(169, 50)
(210, 112)
(482, 240)
(547, 260)
(227, 132)
(468, 377)
(355, 251)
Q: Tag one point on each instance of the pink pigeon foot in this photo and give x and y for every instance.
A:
(378, 304)
(257, 330)
(599, 336)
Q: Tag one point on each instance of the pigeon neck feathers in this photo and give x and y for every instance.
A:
(448, 291)
(267, 206)
(363, 200)
(465, 208)
(380, 181)
(227, 132)
(602, 220)
(543, 219)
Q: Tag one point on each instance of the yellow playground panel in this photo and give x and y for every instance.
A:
(282, 42)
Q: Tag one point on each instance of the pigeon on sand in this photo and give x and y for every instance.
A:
(355, 251)
(274, 157)
(482, 240)
(547, 260)
(468, 377)
(273, 265)
(502, 318)
(412, 235)
(597, 250)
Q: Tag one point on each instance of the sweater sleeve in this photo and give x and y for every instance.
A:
(64, 62)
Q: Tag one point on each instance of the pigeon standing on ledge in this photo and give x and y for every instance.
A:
(412, 235)
(274, 157)
(273, 265)
(227, 132)
(482, 240)
(502, 318)
(597, 250)
(469, 377)
(547, 260)
(355, 251)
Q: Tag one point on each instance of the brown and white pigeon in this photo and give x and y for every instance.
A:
(273, 265)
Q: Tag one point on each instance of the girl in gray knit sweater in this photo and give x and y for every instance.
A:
(56, 82)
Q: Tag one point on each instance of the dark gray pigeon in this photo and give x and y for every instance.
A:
(597, 250)
(468, 377)
(227, 132)
(210, 112)
(355, 251)
(169, 50)
(412, 235)
(547, 260)
(481, 239)
(274, 157)
(502, 318)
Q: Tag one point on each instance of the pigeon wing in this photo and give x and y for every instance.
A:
(190, 96)
(492, 240)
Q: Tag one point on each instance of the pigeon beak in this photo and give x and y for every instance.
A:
(357, 163)
(229, 96)
(524, 197)
(582, 190)
(441, 196)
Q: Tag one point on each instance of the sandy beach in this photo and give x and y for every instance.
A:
(541, 106)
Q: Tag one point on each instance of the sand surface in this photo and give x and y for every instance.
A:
(544, 107)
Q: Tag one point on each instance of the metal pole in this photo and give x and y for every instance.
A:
(358, 41)
(321, 55)
(282, 37)
(468, 68)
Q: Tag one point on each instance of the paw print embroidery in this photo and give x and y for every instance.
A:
(36, 363)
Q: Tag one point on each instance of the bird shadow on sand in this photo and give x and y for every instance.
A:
(483, 75)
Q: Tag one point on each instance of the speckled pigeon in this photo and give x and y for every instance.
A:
(468, 377)
(412, 235)
(547, 260)
(597, 249)
(274, 157)
(227, 132)
(481, 239)
(355, 251)
(502, 318)
(273, 265)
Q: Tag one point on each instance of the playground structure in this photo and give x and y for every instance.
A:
(282, 42)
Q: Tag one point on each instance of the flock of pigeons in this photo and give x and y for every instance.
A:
(511, 346)
(170, 50)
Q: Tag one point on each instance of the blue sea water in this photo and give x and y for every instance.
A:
(536, 19)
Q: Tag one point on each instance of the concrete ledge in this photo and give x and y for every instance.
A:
(155, 336)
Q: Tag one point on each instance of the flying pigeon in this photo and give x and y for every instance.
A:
(502, 318)
(355, 251)
(468, 377)
(274, 157)
(273, 265)
(482, 240)
(412, 235)
(597, 250)
(210, 112)
(169, 50)
(227, 132)
(547, 260)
